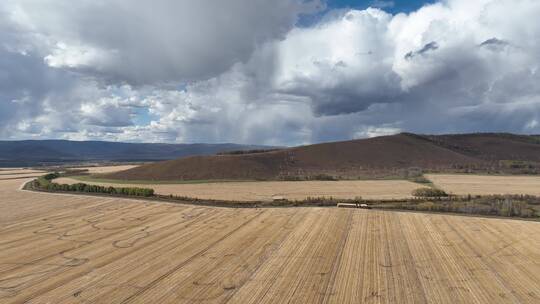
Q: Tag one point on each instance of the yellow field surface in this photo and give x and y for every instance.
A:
(265, 191)
(19, 171)
(463, 184)
(57, 248)
(19, 176)
(106, 169)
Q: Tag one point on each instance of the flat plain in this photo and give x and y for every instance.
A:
(266, 190)
(463, 184)
(57, 248)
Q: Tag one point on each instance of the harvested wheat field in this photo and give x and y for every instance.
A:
(265, 191)
(7, 173)
(57, 248)
(463, 184)
(106, 169)
(20, 175)
(19, 171)
(11, 173)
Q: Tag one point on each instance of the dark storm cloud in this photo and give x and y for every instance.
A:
(63, 64)
(27, 84)
(159, 41)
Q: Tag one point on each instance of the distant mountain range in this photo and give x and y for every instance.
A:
(34, 152)
(385, 156)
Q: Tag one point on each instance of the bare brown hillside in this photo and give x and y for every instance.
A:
(374, 157)
(351, 159)
(492, 146)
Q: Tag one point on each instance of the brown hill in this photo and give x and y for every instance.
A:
(380, 156)
(492, 146)
(375, 157)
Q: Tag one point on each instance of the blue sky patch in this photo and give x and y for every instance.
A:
(142, 116)
(391, 6)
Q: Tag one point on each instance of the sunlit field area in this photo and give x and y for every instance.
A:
(58, 248)
(464, 184)
(267, 190)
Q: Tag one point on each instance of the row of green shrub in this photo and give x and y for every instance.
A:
(45, 183)
(51, 176)
(429, 192)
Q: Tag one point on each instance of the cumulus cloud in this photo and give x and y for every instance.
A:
(67, 67)
(422, 72)
(241, 71)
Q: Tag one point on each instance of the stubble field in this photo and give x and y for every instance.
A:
(57, 248)
(19, 171)
(6, 174)
(105, 169)
(267, 190)
(463, 184)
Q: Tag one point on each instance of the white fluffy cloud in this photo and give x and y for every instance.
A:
(240, 70)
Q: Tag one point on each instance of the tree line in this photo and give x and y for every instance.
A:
(45, 183)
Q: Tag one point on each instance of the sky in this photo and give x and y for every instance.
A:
(280, 72)
(394, 7)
